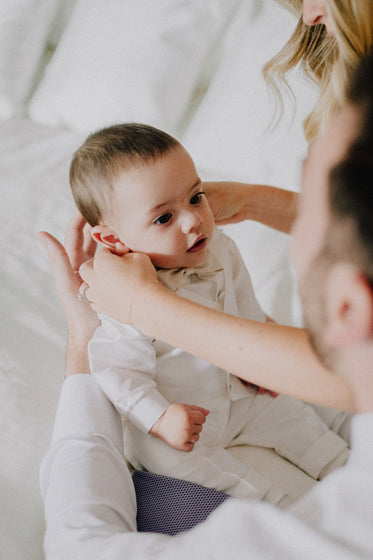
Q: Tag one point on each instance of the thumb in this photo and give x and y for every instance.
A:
(64, 276)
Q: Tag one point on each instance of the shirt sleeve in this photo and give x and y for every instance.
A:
(123, 361)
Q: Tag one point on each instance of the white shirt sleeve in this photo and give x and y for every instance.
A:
(90, 504)
(123, 361)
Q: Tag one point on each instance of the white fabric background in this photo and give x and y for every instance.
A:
(207, 86)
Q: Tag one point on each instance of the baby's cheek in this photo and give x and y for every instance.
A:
(210, 222)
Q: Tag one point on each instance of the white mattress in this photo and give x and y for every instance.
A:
(224, 129)
(34, 196)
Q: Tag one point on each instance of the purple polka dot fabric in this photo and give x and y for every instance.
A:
(169, 506)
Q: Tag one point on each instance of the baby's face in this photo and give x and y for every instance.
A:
(159, 209)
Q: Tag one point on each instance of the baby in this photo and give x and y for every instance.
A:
(139, 190)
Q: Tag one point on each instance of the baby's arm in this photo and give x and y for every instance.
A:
(180, 425)
(123, 363)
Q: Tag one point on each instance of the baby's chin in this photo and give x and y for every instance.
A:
(190, 261)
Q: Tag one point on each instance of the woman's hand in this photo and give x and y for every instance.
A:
(235, 202)
(79, 245)
(229, 202)
(81, 319)
(116, 284)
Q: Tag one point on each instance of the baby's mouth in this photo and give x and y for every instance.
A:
(198, 245)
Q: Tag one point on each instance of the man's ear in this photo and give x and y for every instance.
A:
(349, 306)
(107, 237)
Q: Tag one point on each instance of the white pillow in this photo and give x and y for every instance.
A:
(132, 60)
(230, 131)
(229, 140)
(24, 27)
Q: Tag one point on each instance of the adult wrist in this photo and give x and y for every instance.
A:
(272, 206)
(77, 355)
(150, 303)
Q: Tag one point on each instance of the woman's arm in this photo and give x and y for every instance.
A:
(277, 357)
(81, 319)
(235, 202)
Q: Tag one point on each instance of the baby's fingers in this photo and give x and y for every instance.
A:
(200, 409)
(196, 428)
(192, 440)
(199, 414)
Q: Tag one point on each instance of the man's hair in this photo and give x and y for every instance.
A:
(104, 154)
(351, 182)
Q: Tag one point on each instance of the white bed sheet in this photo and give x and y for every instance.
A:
(33, 166)
(34, 162)
(35, 195)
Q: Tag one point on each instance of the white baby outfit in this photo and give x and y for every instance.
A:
(142, 377)
(90, 502)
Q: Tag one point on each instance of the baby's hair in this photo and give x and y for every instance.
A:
(96, 164)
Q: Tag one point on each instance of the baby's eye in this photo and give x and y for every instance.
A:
(163, 219)
(196, 199)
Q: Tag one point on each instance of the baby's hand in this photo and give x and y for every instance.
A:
(180, 425)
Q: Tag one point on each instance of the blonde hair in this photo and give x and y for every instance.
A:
(328, 61)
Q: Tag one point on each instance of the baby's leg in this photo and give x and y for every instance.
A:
(213, 467)
(293, 430)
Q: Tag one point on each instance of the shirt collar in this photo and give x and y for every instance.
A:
(176, 278)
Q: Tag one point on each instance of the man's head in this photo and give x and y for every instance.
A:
(139, 189)
(333, 234)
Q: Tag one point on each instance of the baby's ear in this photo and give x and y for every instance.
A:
(107, 237)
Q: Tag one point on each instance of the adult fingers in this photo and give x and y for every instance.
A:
(234, 219)
(100, 261)
(262, 391)
(78, 241)
(86, 270)
(89, 244)
(74, 239)
(64, 276)
(82, 321)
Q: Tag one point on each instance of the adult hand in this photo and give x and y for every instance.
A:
(81, 319)
(116, 283)
(235, 202)
(79, 245)
(229, 202)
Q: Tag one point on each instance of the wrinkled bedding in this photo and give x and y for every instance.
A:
(223, 123)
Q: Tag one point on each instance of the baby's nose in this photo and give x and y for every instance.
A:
(190, 220)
